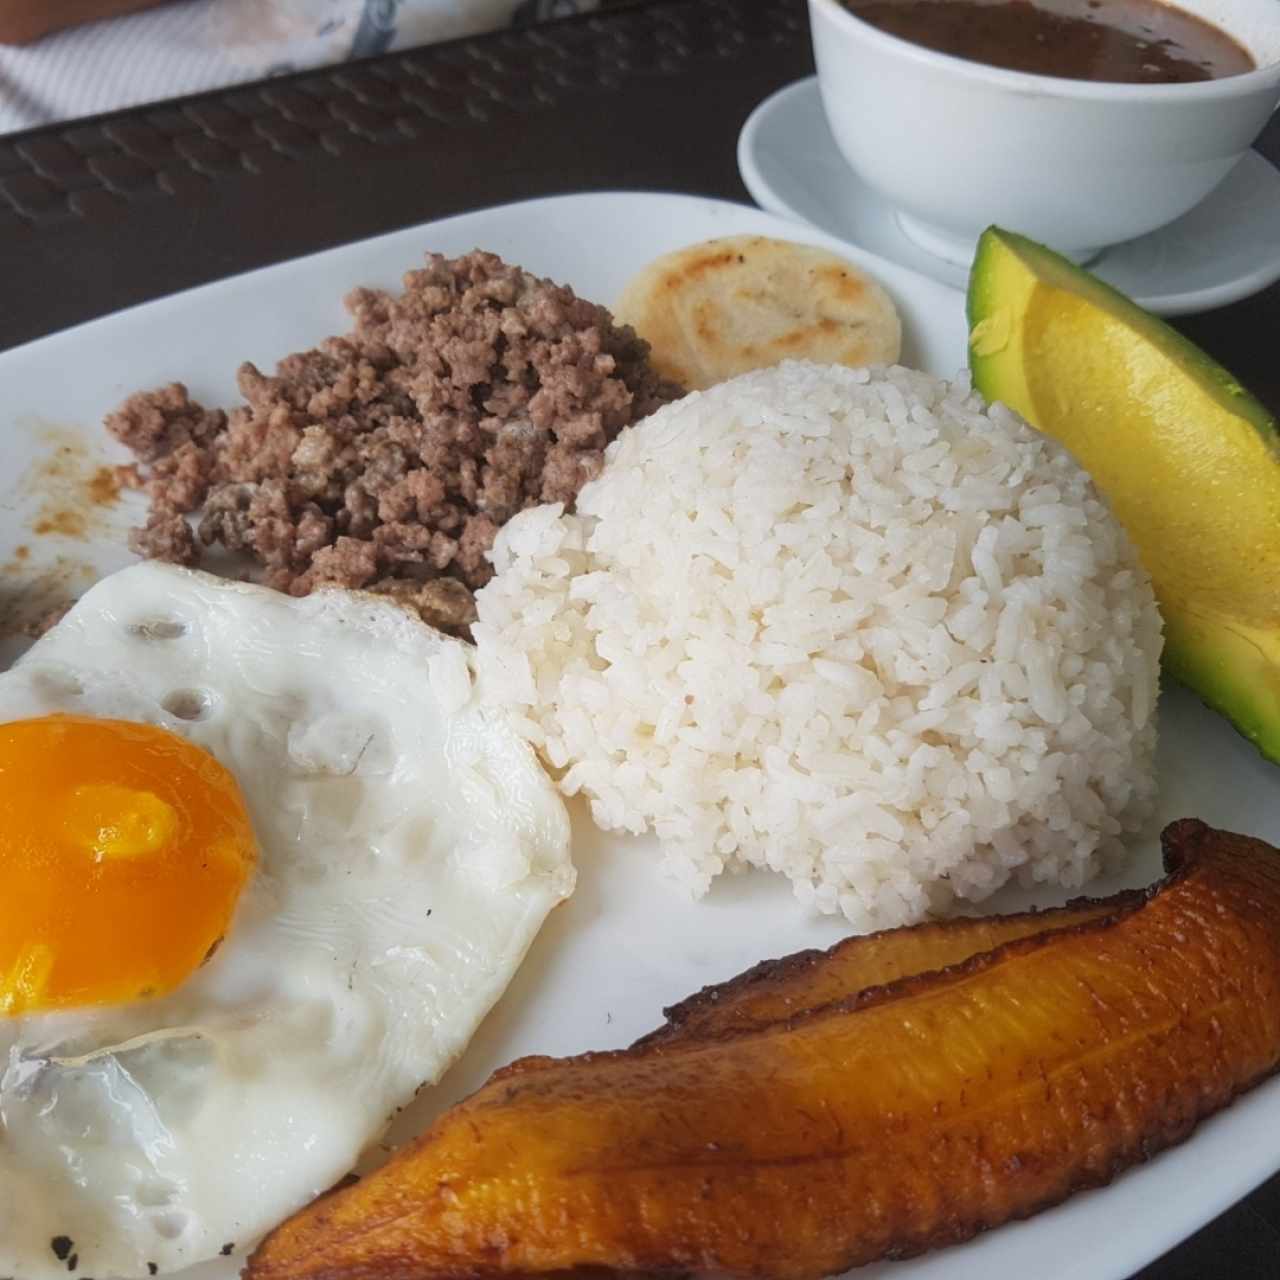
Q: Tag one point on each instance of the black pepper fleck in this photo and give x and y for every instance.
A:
(61, 1246)
(152, 1269)
(73, 1262)
(227, 1250)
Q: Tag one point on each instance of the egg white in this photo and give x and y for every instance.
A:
(411, 848)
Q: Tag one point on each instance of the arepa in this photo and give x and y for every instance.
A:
(724, 307)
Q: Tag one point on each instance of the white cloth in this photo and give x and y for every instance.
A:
(191, 45)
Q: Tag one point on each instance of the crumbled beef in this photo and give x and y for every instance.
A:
(154, 423)
(225, 518)
(165, 536)
(389, 458)
(179, 481)
(443, 602)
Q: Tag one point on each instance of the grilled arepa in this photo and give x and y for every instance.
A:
(723, 307)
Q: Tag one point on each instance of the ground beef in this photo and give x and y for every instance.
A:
(154, 423)
(165, 536)
(389, 458)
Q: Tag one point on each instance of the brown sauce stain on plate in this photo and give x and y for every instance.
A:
(76, 490)
(32, 599)
(105, 485)
(68, 495)
(70, 524)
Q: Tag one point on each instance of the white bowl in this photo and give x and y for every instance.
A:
(956, 145)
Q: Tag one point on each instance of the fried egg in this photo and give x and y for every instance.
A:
(264, 867)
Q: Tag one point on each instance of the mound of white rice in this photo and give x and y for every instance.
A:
(850, 625)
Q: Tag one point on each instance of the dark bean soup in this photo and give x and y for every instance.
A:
(1124, 41)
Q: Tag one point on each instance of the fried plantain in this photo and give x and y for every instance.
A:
(907, 1116)
(775, 990)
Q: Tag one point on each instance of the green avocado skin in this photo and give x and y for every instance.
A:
(1234, 672)
(1229, 673)
(991, 262)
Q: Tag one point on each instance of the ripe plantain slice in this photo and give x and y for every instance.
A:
(775, 990)
(906, 1117)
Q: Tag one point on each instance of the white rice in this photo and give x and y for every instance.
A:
(851, 625)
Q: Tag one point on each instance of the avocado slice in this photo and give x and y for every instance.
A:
(1188, 459)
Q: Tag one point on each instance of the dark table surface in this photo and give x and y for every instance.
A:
(101, 214)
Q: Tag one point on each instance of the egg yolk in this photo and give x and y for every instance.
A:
(123, 851)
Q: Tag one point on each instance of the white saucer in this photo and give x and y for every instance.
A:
(1225, 249)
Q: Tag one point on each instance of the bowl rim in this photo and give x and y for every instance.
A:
(1265, 77)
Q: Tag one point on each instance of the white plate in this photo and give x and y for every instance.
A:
(1225, 249)
(625, 945)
